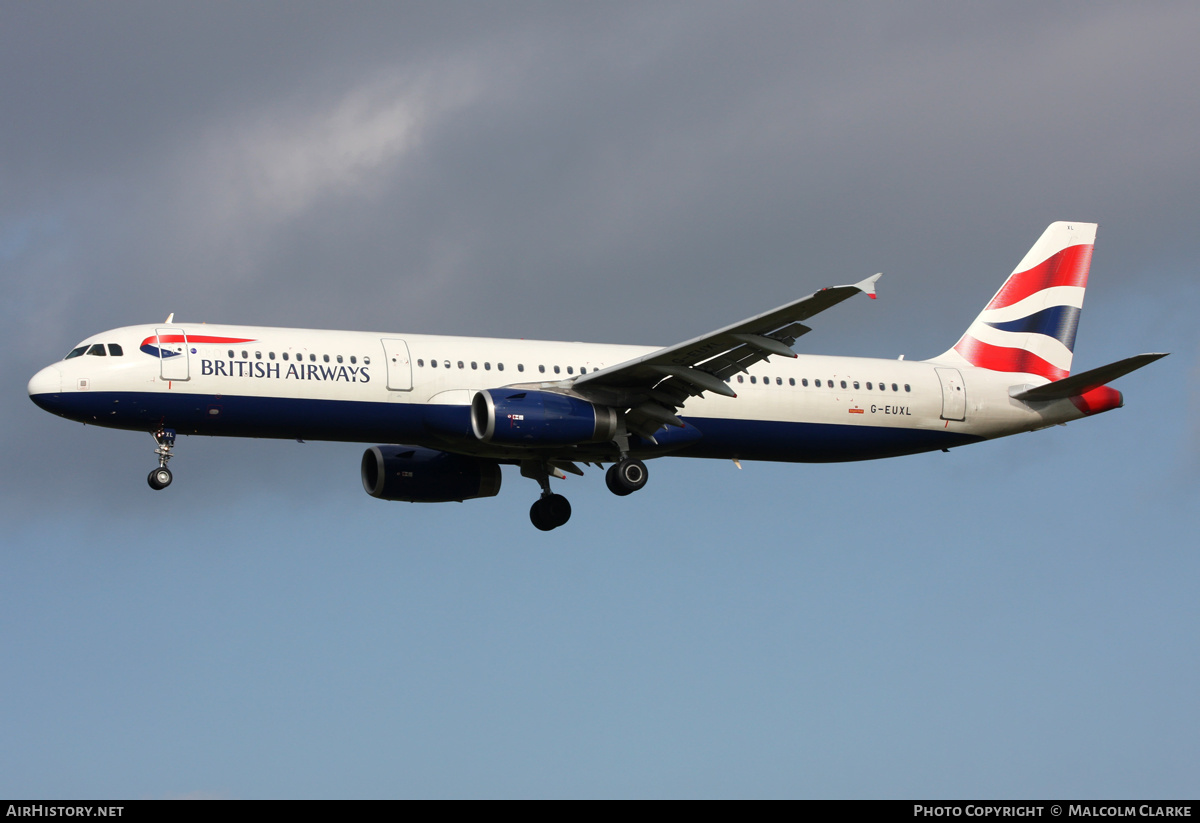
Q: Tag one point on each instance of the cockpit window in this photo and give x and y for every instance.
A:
(98, 350)
(115, 350)
(76, 352)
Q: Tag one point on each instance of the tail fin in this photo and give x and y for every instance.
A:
(1029, 326)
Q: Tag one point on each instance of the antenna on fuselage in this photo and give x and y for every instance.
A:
(170, 318)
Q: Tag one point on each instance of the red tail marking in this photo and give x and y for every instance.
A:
(1067, 268)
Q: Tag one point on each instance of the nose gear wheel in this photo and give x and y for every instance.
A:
(161, 477)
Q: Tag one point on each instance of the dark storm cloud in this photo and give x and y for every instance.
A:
(614, 172)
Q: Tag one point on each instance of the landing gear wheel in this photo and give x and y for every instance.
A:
(626, 477)
(160, 478)
(614, 483)
(550, 512)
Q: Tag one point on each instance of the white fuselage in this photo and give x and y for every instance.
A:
(376, 387)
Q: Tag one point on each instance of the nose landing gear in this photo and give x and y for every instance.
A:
(161, 477)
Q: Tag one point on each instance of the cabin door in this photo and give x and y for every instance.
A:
(399, 366)
(172, 354)
(954, 396)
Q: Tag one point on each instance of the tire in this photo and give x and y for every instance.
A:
(550, 512)
(539, 516)
(614, 482)
(629, 475)
(559, 509)
(160, 478)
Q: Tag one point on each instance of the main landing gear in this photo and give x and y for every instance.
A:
(550, 510)
(626, 476)
(553, 510)
(161, 477)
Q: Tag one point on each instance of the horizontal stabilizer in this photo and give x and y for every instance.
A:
(1084, 382)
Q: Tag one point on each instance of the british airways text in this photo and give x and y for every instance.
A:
(275, 371)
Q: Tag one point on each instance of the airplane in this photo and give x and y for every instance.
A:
(451, 410)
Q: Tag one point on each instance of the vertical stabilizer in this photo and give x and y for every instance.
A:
(1029, 326)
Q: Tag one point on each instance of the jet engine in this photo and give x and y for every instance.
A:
(417, 475)
(537, 418)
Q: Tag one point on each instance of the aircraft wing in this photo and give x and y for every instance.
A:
(655, 385)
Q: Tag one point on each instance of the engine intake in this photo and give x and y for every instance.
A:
(537, 418)
(417, 475)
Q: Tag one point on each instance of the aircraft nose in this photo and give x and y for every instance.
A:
(47, 381)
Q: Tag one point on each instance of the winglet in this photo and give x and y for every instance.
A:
(867, 286)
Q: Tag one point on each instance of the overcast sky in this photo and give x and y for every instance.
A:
(1014, 619)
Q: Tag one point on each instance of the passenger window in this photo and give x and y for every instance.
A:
(270, 355)
(258, 355)
(245, 354)
(868, 385)
(541, 369)
(907, 387)
(474, 365)
(433, 364)
(285, 355)
(352, 360)
(460, 364)
(312, 358)
(778, 381)
(570, 369)
(499, 367)
(446, 364)
(791, 381)
(115, 350)
(895, 387)
(817, 383)
(856, 384)
(556, 370)
(487, 366)
(753, 379)
(339, 358)
(804, 382)
(420, 362)
(741, 379)
(520, 367)
(325, 357)
(366, 361)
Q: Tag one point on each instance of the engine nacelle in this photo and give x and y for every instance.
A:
(417, 475)
(538, 418)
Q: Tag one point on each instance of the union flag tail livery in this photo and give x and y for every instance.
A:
(451, 411)
(1029, 326)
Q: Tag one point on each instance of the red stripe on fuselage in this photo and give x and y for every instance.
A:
(195, 338)
(1067, 268)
